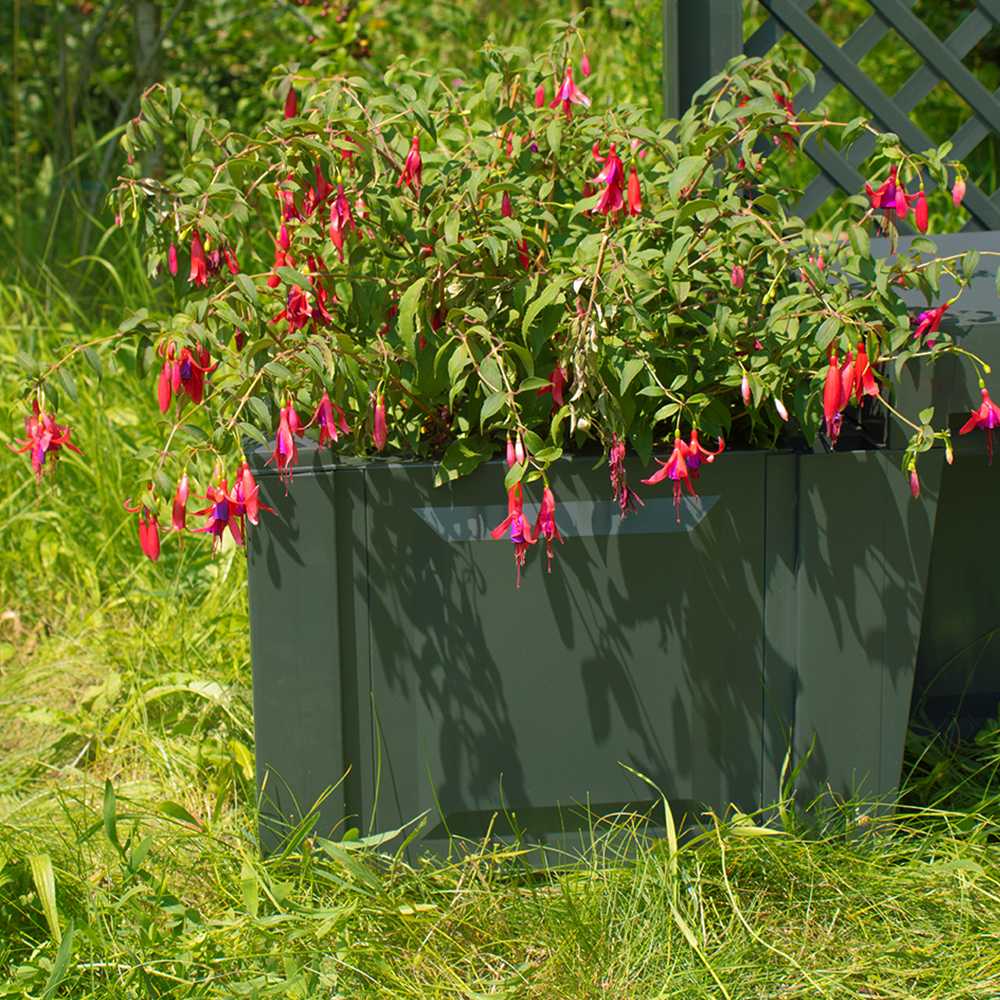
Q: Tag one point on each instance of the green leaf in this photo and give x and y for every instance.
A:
(492, 404)
(94, 361)
(630, 369)
(828, 329)
(45, 885)
(69, 383)
(549, 294)
(60, 965)
(133, 321)
(860, 241)
(553, 135)
(292, 277)
(534, 382)
(514, 475)
(247, 288)
(260, 411)
(176, 811)
(684, 174)
(109, 814)
(407, 313)
(969, 264)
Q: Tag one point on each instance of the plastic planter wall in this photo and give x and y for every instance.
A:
(394, 659)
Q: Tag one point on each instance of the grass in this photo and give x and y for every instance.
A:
(127, 810)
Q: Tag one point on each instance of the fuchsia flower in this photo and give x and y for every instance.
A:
(506, 209)
(584, 65)
(224, 512)
(291, 103)
(540, 96)
(246, 495)
(738, 276)
(914, 484)
(920, 211)
(522, 254)
(557, 382)
(568, 94)
(341, 220)
(987, 416)
(517, 526)
(627, 499)
(149, 529)
(511, 456)
(634, 192)
(297, 311)
(183, 374)
(178, 515)
(613, 177)
(929, 321)
(286, 451)
(883, 197)
(413, 166)
(172, 260)
(834, 398)
(958, 191)
(683, 466)
(199, 270)
(43, 437)
(545, 524)
(745, 389)
(331, 420)
(380, 430)
(864, 377)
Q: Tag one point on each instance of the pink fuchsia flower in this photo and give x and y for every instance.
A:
(540, 96)
(929, 321)
(557, 382)
(149, 529)
(184, 374)
(676, 470)
(584, 65)
(522, 254)
(330, 419)
(920, 211)
(569, 94)
(545, 524)
(958, 191)
(517, 526)
(627, 499)
(297, 311)
(341, 220)
(738, 276)
(634, 192)
(178, 514)
(987, 416)
(224, 511)
(745, 389)
(697, 453)
(914, 483)
(511, 456)
(291, 103)
(883, 197)
(380, 429)
(198, 275)
(834, 398)
(902, 202)
(864, 377)
(43, 437)
(172, 260)
(246, 495)
(286, 451)
(506, 209)
(612, 177)
(413, 167)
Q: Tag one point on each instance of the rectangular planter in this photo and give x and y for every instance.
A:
(395, 661)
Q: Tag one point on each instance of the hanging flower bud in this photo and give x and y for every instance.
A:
(511, 456)
(519, 451)
(780, 407)
(634, 193)
(172, 260)
(413, 167)
(738, 276)
(199, 268)
(584, 65)
(745, 389)
(291, 103)
(178, 517)
(540, 96)
(920, 212)
(380, 431)
(958, 191)
(506, 210)
(902, 203)
(914, 483)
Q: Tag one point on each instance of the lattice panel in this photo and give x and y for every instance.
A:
(942, 62)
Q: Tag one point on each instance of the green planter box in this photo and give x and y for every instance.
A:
(394, 659)
(958, 661)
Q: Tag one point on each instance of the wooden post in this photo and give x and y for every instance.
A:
(699, 38)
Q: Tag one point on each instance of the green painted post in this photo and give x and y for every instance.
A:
(699, 38)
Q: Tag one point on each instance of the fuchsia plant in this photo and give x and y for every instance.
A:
(431, 268)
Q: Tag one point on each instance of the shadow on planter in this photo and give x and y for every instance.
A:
(390, 645)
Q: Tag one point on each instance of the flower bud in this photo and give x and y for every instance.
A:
(949, 454)
(506, 210)
(585, 65)
(745, 389)
(179, 513)
(519, 451)
(914, 483)
(920, 212)
(291, 103)
(172, 260)
(738, 276)
(958, 191)
(380, 430)
(511, 456)
(540, 96)
(780, 407)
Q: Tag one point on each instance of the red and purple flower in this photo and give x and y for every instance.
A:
(517, 526)
(987, 416)
(43, 437)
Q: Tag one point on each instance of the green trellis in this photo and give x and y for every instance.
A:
(700, 35)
